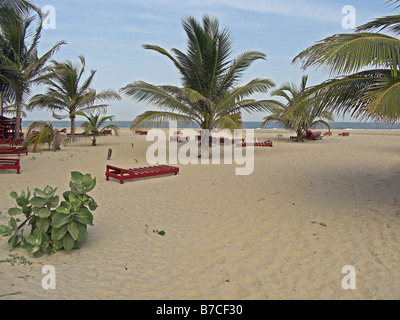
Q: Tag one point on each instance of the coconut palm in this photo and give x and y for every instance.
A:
(209, 95)
(356, 88)
(19, 40)
(95, 127)
(66, 92)
(300, 119)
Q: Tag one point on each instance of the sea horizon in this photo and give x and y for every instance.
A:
(255, 125)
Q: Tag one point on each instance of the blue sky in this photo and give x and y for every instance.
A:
(110, 35)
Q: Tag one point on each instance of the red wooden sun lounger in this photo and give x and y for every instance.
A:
(128, 174)
(10, 164)
(344, 134)
(13, 150)
(267, 143)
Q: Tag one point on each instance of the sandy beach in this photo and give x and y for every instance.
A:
(284, 232)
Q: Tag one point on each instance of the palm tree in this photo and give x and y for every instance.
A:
(94, 126)
(356, 88)
(209, 95)
(300, 119)
(19, 41)
(66, 93)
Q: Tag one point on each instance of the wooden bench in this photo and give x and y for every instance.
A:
(14, 150)
(10, 164)
(129, 174)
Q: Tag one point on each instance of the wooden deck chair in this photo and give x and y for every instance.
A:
(6, 163)
(137, 173)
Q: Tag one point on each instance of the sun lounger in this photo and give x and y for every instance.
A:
(327, 133)
(107, 132)
(267, 143)
(344, 134)
(10, 164)
(312, 138)
(129, 174)
(13, 150)
(141, 132)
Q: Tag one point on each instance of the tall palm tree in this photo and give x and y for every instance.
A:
(356, 88)
(209, 95)
(94, 126)
(66, 92)
(19, 40)
(300, 119)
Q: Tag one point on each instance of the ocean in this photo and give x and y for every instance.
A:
(250, 125)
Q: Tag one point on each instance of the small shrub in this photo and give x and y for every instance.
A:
(53, 225)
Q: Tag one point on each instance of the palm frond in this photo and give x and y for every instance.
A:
(154, 119)
(347, 53)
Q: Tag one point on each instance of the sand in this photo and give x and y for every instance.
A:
(284, 232)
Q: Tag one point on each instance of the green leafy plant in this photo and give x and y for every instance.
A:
(54, 225)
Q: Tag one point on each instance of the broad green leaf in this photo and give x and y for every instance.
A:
(66, 195)
(77, 177)
(13, 241)
(32, 240)
(44, 213)
(83, 234)
(62, 209)
(14, 195)
(58, 244)
(73, 230)
(53, 201)
(38, 235)
(38, 202)
(40, 193)
(68, 242)
(60, 219)
(4, 230)
(43, 224)
(12, 224)
(59, 233)
(14, 211)
(22, 202)
(84, 216)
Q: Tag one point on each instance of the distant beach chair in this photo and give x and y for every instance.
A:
(137, 173)
(107, 132)
(267, 143)
(314, 136)
(13, 150)
(327, 133)
(10, 164)
(344, 134)
(141, 132)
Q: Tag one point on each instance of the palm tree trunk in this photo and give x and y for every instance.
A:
(205, 143)
(94, 141)
(300, 136)
(17, 135)
(73, 127)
